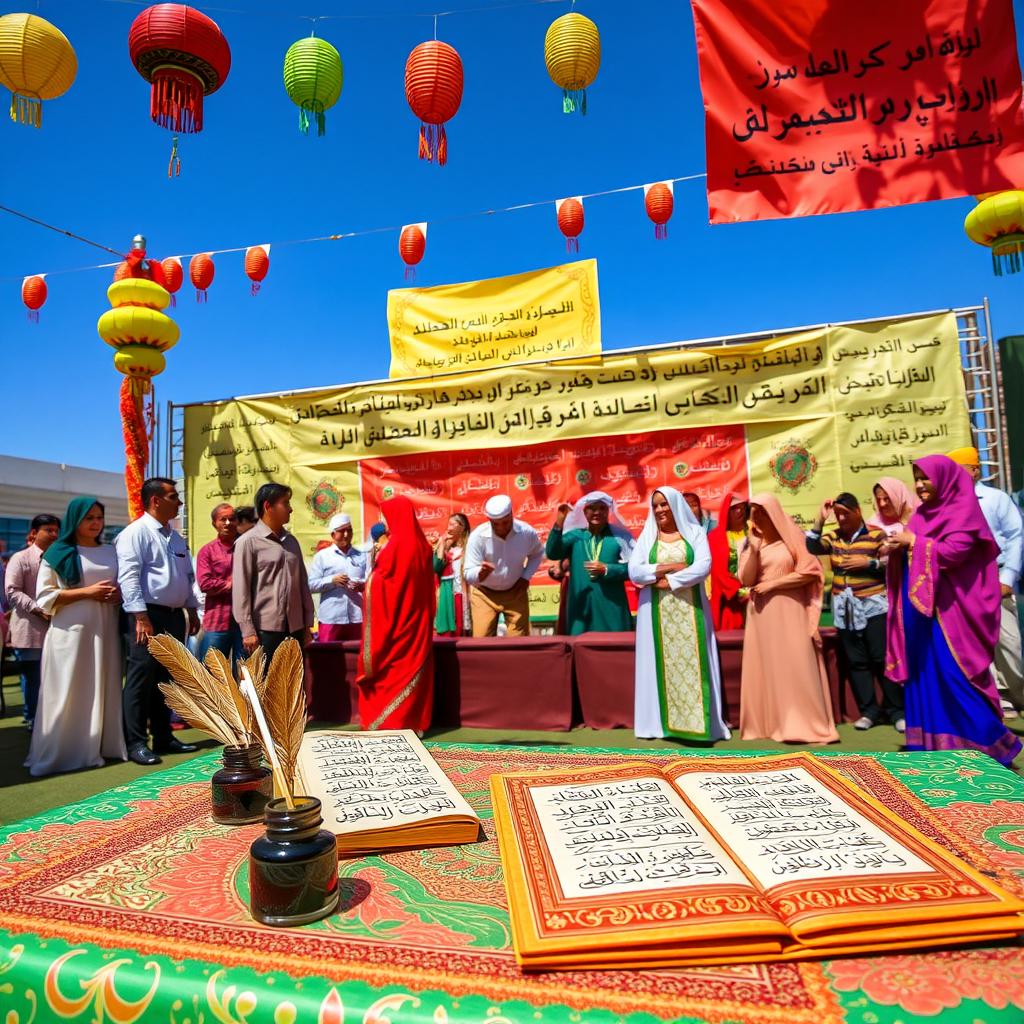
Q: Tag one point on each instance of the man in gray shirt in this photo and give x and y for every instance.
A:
(154, 572)
(270, 596)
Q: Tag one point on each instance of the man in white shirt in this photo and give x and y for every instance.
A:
(501, 557)
(338, 575)
(1004, 521)
(154, 572)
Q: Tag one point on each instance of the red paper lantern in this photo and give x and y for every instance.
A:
(33, 294)
(200, 273)
(570, 222)
(412, 243)
(659, 204)
(185, 56)
(433, 89)
(173, 275)
(257, 263)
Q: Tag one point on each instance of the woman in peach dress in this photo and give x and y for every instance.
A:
(785, 692)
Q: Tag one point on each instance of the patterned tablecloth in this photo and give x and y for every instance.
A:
(132, 906)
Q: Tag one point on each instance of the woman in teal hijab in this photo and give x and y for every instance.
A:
(78, 721)
(62, 554)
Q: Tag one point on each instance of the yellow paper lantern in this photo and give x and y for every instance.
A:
(997, 222)
(572, 53)
(36, 63)
(139, 362)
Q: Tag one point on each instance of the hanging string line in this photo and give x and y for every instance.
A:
(335, 237)
(382, 16)
(60, 231)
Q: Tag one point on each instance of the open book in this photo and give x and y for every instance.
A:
(383, 791)
(725, 860)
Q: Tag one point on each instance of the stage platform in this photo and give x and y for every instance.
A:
(539, 682)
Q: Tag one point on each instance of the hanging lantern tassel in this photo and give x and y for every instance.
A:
(257, 263)
(433, 90)
(174, 164)
(659, 203)
(412, 243)
(570, 221)
(33, 294)
(200, 273)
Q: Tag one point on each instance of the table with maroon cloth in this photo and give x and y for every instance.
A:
(538, 682)
(490, 683)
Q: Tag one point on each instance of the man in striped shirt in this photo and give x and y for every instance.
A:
(859, 605)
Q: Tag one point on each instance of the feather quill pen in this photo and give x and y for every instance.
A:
(220, 668)
(284, 704)
(196, 695)
(249, 692)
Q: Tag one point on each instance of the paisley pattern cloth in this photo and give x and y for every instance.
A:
(131, 907)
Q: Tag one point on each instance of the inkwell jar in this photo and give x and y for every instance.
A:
(293, 869)
(240, 790)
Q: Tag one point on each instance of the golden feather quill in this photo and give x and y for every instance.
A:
(220, 668)
(186, 708)
(200, 688)
(284, 705)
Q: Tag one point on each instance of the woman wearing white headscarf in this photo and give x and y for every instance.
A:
(678, 685)
(598, 549)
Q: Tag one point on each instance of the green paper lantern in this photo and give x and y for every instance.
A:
(312, 79)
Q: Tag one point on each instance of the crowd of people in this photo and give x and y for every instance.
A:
(922, 597)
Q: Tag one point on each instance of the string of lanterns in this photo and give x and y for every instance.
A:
(184, 56)
(412, 244)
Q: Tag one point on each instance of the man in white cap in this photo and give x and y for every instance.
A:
(501, 557)
(338, 575)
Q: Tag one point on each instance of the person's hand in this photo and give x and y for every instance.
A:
(826, 511)
(762, 589)
(1005, 590)
(485, 570)
(250, 643)
(563, 510)
(555, 572)
(143, 629)
(103, 592)
(596, 569)
(356, 586)
(449, 543)
(754, 535)
(307, 636)
(339, 580)
(193, 622)
(662, 584)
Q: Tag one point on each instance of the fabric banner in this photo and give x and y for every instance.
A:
(821, 107)
(710, 462)
(817, 411)
(478, 325)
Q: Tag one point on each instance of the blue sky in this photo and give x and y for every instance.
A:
(98, 167)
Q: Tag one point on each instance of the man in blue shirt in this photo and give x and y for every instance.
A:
(338, 575)
(154, 572)
(1004, 520)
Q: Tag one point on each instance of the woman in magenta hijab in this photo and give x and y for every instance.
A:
(944, 601)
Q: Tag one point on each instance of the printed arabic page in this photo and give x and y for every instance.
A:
(369, 781)
(613, 858)
(830, 857)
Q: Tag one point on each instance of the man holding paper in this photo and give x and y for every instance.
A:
(501, 557)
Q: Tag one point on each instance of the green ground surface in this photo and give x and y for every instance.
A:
(22, 796)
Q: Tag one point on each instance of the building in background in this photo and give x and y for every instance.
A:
(29, 487)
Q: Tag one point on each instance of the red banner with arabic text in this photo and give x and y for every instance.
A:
(823, 107)
(709, 461)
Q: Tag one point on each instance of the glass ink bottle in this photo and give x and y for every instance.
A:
(240, 790)
(293, 869)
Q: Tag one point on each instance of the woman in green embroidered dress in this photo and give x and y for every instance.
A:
(678, 686)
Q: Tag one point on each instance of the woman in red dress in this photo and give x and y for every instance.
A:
(728, 596)
(396, 664)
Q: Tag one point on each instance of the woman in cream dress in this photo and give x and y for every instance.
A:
(78, 722)
(678, 685)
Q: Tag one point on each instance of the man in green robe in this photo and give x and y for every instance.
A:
(598, 553)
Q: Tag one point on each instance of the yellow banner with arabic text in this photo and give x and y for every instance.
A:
(479, 325)
(821, 411)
